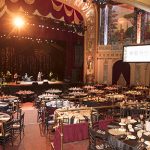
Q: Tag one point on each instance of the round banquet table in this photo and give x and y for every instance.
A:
(120, 140)
(4, 117)
(25, 96)
(4, 106)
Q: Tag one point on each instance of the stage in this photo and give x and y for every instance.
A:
(39, 82)
(28, 83)
(36, 86)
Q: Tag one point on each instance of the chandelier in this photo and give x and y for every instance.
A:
(100, 2)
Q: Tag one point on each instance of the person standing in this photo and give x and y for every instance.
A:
(39, 76)
(16, 77)
(8, 76)
(26, 77)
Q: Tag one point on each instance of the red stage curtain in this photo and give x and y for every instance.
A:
(44, 7)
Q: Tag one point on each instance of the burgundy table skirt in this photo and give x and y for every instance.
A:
(71, 133)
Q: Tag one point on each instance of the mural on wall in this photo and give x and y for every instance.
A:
(122, 23)
(147, 26)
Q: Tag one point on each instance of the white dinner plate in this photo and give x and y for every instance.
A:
(147, 133)
(147, 143)
(131, 137)
(122, 124)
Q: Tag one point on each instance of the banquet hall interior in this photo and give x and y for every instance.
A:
(74, 74)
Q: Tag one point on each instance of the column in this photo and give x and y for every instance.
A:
(101, 25)
(140, 25)
(106, 11)
(132, 74)
(110, 65)
(100, 71)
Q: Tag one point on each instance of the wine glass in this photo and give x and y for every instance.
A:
(141, 116)
(127, 134)
(139, 134)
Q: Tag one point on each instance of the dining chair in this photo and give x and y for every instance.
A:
(18, 125)
(98, 143)
(18, 113)
(94, 117)
(49, 120)
(147, 112)
(7, 133)
(103, 124)
(65, 120)
(82, 120)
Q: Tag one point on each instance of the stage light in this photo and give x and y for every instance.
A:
(19, 22)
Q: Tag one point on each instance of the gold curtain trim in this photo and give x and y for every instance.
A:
(14, 1)
(68, 12)
(5, 10)
(2, 3)
(29, 1)
(55, 7)
(76, 19)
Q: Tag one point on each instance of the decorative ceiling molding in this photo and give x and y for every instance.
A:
(29, 1)
(2, 3)
(87, 9)
(142, 4)
(14, 1)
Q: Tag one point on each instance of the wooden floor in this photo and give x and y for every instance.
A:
(35, 138)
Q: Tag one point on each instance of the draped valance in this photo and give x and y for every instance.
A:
(47, 8)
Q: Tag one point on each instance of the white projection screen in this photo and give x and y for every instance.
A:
(136, 53)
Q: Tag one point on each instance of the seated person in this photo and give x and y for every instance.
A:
(25, 77)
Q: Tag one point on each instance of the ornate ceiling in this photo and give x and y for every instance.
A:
(87, 8)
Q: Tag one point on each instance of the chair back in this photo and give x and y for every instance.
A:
(7, 128)
(92, 139)
(19, 112)
(65, 120)
(51, 110)
(22, 120)
(103, 124)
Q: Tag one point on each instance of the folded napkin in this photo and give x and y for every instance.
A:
(101, 132)
(147, 133)
(113, 126)
(131, 129)
(100, 146)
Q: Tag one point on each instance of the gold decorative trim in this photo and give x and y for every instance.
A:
(68, 12)
(29, 1)
(76, 19)
(14, 1)
(55, 7)
(2, 3)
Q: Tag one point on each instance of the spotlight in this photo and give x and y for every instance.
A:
(18, 22)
